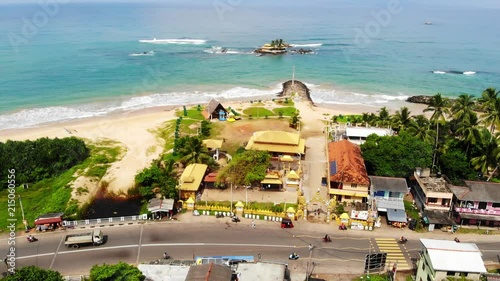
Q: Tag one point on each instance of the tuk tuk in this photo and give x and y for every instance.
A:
(286, 223)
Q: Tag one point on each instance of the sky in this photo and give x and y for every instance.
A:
(487, 4)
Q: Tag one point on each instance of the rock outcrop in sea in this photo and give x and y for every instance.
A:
(419, 99)
(298, 88)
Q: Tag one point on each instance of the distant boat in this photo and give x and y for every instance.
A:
(428, 22)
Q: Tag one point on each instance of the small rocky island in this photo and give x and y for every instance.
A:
(279, 47)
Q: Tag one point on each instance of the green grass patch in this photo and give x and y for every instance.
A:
(97, 171)
(412, 212)
(283, 102)
(462, 230)
(347, 118)
(287, 111)
(192, 113)
(372, 277)
(258, 112)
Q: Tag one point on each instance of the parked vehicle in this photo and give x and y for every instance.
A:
(235, 219)
(234, 262)
(293, 256)
(286, 223)
(94, 238)
(31, 238)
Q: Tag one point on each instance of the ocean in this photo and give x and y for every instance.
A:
(63, 60)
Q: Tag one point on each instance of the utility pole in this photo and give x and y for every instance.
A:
(308, 274)
(231, 197)
(22, 212)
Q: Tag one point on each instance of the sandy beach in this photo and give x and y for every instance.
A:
(134, 130)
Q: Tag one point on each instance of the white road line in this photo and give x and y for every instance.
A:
(55, 254)
(139, 250)
(34, 256)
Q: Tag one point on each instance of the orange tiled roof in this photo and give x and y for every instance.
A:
(350, 164)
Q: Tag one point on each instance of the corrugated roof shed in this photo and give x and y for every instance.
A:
(447, 255)
(209, 272)
(478, 191)
(350, 166)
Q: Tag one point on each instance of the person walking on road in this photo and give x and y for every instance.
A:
(253, 223)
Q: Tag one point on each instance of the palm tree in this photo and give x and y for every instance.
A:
(193, 151)
(419, 127)
(489, 154)
(439, 107)
(383, 118)
(490, 105)
(462, 108)
(468, 131)
(402, 118)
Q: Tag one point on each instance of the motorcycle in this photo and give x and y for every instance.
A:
(403, 240)
(31, 239)
(342, 227)
(327, 239)
(235, 219)
(166, 256)
(220, 215)
(293, 256)
(457, 240)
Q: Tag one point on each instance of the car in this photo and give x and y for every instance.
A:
(234, 262)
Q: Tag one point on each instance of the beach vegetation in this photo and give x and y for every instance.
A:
(191, 150)
(295, 120)
(205, 128)
(285, 111)
(462, 133)
(159, 177)
(191, 113)
(41, 159)
(246, 168)
(395, 156)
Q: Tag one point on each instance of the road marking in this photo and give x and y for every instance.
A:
(139, 250)
(394, 252)
(55, 254)
(97, 249)
(35, 256)
(321, 237)
(221, 244)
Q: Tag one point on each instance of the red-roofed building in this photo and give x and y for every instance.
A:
(210, 180)
(349, 180)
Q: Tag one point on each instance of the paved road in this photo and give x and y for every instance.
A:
(208, 236)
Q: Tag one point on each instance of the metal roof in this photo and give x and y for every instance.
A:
(388, 184)
(277, 141)
(364, 132)
(164, 272)
(160, 205)
(383, 204)
(209, 272)
(396, 215)
(448, 255)
(478, 191)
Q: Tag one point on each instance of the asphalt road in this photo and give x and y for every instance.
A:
(145, 243)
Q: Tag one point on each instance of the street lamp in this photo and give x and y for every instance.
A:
(22, 212)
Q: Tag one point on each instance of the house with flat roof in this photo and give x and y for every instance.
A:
(277, 143)
(442, 259)
(477, 203)
(347, 172)
(358, 135)
(190, 180)
(433, 198)
(387, 196)
(262, 271)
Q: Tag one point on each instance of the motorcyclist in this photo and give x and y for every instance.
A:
(30, 238)
(456, 240)
(327, 238)
(402, 239)
(165, 255)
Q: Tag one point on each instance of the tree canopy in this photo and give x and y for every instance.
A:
(395, 156)
(115, 272)
(33, 273)
(42, 158)
(246, 168)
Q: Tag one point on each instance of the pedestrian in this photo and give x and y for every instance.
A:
(310, 247)
(253, 223)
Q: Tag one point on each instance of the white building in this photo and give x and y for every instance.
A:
(441, 259)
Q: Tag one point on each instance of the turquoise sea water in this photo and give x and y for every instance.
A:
(77, 60)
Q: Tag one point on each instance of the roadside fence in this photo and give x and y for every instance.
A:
(92, 223)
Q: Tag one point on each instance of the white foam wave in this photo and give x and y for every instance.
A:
(325, 95)
(307, 45)
(38, 116)
(175, 41)
(469, 72)
(220, 50)
(439, 72)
